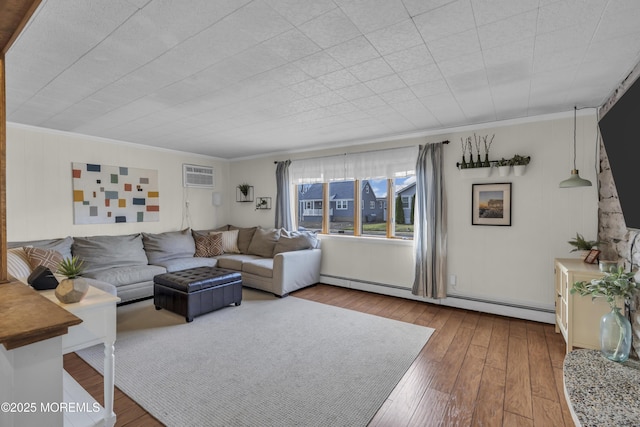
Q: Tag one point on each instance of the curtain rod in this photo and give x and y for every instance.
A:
(359, 152)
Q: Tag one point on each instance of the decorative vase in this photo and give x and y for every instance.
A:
(463, 165)
(486, 162)
(471, 164)
(70, 291)
(615, 336)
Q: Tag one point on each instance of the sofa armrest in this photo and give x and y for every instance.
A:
(296, 269)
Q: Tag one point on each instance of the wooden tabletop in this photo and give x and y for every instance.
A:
(27, 317)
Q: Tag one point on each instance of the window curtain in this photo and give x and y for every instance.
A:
(283, 197)
(430, 229)
(389, 163)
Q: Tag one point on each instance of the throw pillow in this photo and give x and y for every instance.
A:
(169, 245)
(263, 242)
(229, 241)
(18, 263)
(45, 257)
(244, 237)
(208, 246)
(295, 243)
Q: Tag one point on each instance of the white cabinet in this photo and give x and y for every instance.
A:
(578, 317)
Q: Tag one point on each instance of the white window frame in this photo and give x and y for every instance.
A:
(342, 204)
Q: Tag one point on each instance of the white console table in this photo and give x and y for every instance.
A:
(98, 313)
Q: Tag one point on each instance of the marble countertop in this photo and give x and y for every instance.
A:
(601, 392)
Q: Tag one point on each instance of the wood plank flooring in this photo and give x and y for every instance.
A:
(476, 370)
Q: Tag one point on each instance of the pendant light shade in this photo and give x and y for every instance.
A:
(575, 180)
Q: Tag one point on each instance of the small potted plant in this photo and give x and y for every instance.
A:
(244, 189)
(520, 164)
(582, 245)
(73, 288)
(504, 166)
(615, 328)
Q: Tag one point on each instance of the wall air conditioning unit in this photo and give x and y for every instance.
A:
(197, 176)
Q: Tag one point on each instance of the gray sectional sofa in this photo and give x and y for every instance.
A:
(271, 260)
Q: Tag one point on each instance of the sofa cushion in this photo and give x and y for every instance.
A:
(61, 245)
(169, 245)
(295, 243)
(119, 276)
(43, 257)
(208, 245)
(260, 267)
(263, 242)
(229, 241)
(102, 252)
(244, 237)
(17, 263)
(178, 264)
(234, 261)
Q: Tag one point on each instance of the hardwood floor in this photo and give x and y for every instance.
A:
(476, 370)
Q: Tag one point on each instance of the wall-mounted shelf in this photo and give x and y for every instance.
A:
(241, 197)
(263, 203)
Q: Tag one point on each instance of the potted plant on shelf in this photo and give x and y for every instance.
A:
(504, 166)
(582, 245)
(73, 288)
(244, 190)
(519, 164)
(615, 328)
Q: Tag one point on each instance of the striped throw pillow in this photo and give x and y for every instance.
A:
(229, 241)
(18, 263)
(46, 257)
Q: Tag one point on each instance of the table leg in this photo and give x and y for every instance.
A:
(109, 380)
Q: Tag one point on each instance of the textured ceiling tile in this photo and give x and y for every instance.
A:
(415, 57)
(617, 24)
(421, 75)
(359, 90)
(508, 30)
(386, 84)
(287, 75)
(563, 14)
(309, 88)
(318, 64)
(338, 79)
(454, 46)
(353, 52)
(395, 37)
(448, 112)
(444, 21)
(423, 90)
(292, 45)
(328, 98)
(398, 96)
(416, 7)
(371, 15)
(487, 11)
(503, 54)
(258, 20)
(371, 70)
(557, 59)
(330, 29)
(369, 102)
(300, 11)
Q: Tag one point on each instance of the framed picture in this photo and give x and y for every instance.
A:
(491, 204)
(592, 256)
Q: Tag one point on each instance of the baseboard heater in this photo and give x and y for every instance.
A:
(503, 308)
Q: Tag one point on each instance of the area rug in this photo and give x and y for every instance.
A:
(268, 362)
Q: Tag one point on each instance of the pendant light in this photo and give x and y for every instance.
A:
(575, 180)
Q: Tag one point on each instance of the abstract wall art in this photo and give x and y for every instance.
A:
(111, 194)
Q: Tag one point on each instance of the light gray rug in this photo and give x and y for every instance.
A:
(268, 362)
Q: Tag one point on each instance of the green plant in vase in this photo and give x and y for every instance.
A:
(73, 288)
(582, 244)
(615, 328)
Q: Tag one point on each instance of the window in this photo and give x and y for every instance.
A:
(353, 203)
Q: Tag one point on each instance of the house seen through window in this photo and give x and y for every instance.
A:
(373, 217)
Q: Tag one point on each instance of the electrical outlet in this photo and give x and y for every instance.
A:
(453, 280)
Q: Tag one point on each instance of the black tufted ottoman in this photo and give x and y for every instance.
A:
(197, 291)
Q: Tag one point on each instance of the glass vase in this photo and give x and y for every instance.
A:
(615, 336)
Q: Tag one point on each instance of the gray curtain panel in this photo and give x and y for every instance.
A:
(430, 230)
(283, 198)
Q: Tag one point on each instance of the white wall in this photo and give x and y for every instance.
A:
(39, 186)
(506, 264)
